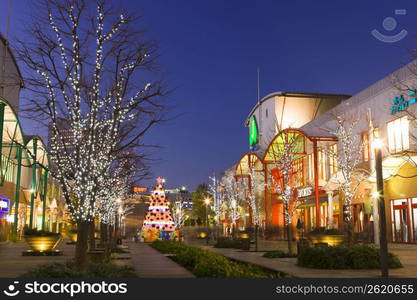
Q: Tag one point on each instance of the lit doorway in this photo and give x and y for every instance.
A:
(401, 221)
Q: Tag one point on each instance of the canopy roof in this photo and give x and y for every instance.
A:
(247, 161)
(41, 151)
(288, 140)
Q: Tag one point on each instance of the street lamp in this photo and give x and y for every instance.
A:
(383, 244)
(207, 202)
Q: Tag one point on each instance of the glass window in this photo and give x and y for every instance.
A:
(365, 145)
(310, 167)
(322, 165)
(398, 135)
(332, 159)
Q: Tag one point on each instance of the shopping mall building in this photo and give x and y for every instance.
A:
(28, 195)
(386, 110)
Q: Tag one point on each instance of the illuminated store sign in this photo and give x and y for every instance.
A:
(140, 189)
(401, 104)
(4, 206)
(305, 191)
(253, 133)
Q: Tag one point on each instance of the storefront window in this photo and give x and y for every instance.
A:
(310, 159)
(414, 218)
(398, 135)
(323, 215)
(358, 217)
(298, 173)
(312, 216)
(403, 223)
(322, 165)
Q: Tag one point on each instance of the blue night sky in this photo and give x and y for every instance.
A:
(212, 49)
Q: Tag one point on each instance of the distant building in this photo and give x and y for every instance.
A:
(180, 195)
(65, 144)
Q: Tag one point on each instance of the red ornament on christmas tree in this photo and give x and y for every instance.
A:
(158, 217)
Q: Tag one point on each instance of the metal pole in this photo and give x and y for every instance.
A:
(207, 236)
(383, 247)
(17, 192)
(2, 105)
(33, 185)
(45, 191)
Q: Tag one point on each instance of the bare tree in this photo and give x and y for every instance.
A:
(348, 156)
(253, 187)
(179, 214)
(283, 155)
(234, 196)
(214, 186)
(86, 69)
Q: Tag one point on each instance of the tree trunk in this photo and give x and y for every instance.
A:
(112, 235)
(289, 237)
(256, 237)
(82, 244)
(91, 239)
(103, 233)
(349, 229)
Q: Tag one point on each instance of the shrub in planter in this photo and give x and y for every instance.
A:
(204, 263)
(275, 254)
(359, 256)
(239, 243)
(40, 240)
(167, 246)
(243, 243)
(225, 243)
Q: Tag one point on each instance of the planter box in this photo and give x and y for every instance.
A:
(331, 240)
(73, 237)
(43, 243)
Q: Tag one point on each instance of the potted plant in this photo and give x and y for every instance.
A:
(40, 240)
(321, 235)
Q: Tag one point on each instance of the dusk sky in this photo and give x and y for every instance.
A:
(210, 51)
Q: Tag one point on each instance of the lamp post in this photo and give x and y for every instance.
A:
(383, 244)
(207, 202)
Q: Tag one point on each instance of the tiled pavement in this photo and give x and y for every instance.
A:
(407, 254)
(149, 263)
(14, 264)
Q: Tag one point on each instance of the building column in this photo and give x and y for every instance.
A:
(330, 221)
(316, 182)
(45, 191)
(33, 185)
(265, 166)
(17, 190)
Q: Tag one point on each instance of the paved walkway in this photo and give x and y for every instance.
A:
(149, 263)
(406, 253)
(14, 264)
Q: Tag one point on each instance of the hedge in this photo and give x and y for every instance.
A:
(237, 243)
(204, 263)
(359, 256)
(276, 254)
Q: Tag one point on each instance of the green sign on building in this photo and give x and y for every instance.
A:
(253, 132)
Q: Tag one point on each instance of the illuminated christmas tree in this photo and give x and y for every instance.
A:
(158, 222)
